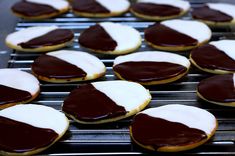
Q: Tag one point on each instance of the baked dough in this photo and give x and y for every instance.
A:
(172, 128)
(67, 66)
(17, 87)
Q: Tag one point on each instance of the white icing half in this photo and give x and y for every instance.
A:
(190, 116)
(227, 46)
(125, 36)
(184, 5)
(37, 116)
(117, 6)
(228, 9)
(153, 56)
(28, 34)
(89, 63)
(130, 95)
(194, 29)
(19, 80)
(57, 4)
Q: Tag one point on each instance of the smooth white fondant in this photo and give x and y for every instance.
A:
(226, 8)
(117, 6)
(57, 4)
(190, 116)
(125, 36)
(37, 116)
(130, 95)
(227, 46)
(27, 34)
(19, 80)
(87, 62)
(195, 29)
(153, 56)
(184, 5)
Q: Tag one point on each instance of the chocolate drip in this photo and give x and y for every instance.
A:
(88, 6)
(86, 103)
(157, 132)
(97, 38)
(161, 35)
(32, 9)
(218, 88)
(52, 67)
(152, 9)
(148, 71)
(55, 37)
(18, 137)
(12, 95)
(208, 56)
(208, 14)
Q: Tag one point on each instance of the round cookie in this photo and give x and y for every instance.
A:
(151, 67)
(172, 128)
(30, 129)
(215, 14)
(218, 89)
(107, 101)
(67, 66)
(17, 87)
(217, 57)
(39, 9)
(99, 8)
(110, 38)
(39, 39)
(160, 9)
(177, 35)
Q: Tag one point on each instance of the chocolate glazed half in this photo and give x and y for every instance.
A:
(18, 137)
(157, 132)
(55, 37)
(30, 9)
(148, 71)
(88, 6)
(86, 103)
(151, 9)
(160, 35)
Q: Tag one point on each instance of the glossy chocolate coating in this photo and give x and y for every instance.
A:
(30, 9)
(157, 132)
(219, 88)
(55, 37)
(151, 9)
(148, 71)
(97, 38)
(208, 14)
(18, 137)
(88, 6)
(209, 57)
(12, 95)
(52, 67)
(160, 35)
(86, 103)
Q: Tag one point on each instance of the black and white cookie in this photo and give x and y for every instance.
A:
(172, 128)
(30, 129)
(177, 35)
(219, 89)
(17, 87)
(107, 101)
(39, 39)
(217, 57)
(67, 66)
(110, 38)
(39, 9)
(160, 9)
(99, 8)
(151, 67)
(215, 14)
